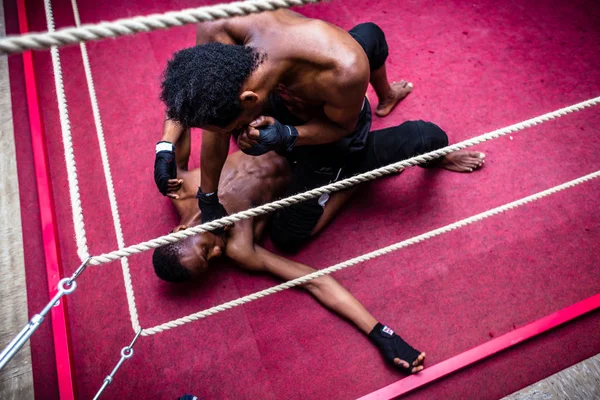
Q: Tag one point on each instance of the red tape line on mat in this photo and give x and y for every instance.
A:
(58, 314)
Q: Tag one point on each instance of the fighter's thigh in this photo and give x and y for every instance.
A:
(331, 208)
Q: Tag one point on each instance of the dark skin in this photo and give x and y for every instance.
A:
(246, 182)
(321, 83)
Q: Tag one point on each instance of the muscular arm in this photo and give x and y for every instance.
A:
(344, 100)
(322, 131)
(215, 147)
(175, 133)
(326, 289)
(213, 153)
(338, 120)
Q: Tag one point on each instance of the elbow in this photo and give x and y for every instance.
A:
(320, 285)
(351, 124)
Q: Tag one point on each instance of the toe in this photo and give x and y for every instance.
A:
(417, 369)
(419, 359)
(401, 363)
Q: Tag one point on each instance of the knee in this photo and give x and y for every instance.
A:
(370, 29)
(373, 41)
(433, 136)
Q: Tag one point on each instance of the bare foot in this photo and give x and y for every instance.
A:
(399, 91)
(463, 161)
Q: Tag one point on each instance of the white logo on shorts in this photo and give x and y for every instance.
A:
(388, 330)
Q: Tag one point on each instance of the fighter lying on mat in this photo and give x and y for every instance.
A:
(248, 181)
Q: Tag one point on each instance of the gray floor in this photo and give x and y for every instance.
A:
(16, 381)
(579, 382)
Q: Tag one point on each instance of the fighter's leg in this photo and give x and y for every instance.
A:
(333, 205)
(292, 226)
(390, 145)
(372, 40)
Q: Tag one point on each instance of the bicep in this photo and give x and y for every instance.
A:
(344, 105)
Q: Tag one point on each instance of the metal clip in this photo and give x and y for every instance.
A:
(64, 287)
(126, 352)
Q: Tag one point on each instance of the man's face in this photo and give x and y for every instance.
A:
(198, 250)
(252, 108)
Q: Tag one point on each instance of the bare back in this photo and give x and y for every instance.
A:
(325, 66)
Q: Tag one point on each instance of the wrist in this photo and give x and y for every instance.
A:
(207, 198)
(291, 137)
(380, 331)
(164, 146)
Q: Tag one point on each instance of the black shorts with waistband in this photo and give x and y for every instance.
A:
(292, 226)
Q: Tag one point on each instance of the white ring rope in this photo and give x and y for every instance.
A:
(114, 208)
(368, 256)
(130, 26)
(65, 125)
(340, 185)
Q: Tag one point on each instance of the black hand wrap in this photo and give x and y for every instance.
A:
(165, 167)
(393, 346)
(210, 208)
(274, 137)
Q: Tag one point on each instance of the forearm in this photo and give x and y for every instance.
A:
(172, 131)
(320, 131)
(326, 289)
(175, 133)
(213, 154)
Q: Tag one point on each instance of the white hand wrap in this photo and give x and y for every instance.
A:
(164, 146)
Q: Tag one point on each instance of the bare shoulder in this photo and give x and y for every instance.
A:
(235, 30)
(349, 65)
(352, 70)
(228, 31)
(348, 80)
